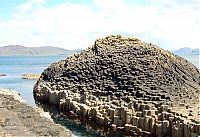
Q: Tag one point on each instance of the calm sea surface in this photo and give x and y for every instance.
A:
(15, 67)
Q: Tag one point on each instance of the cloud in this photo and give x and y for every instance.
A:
(172, 24)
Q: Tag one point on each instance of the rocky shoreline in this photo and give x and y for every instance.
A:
(127, 84)
(20, 120)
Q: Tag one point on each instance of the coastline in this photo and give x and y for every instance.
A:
(20, 120)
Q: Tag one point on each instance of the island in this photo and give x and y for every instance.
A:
(31, 76)
(18, 50)
(125, 84)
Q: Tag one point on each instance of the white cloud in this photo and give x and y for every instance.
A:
(172, 24)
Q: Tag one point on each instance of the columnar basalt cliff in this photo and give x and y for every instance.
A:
(125, 83)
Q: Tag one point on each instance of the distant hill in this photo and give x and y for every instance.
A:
(17, 50)
(192, 55)
(187, 51)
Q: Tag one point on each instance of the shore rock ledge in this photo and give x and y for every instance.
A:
(17, 119)
(127, 84)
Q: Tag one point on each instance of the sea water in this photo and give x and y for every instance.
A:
(15, 67)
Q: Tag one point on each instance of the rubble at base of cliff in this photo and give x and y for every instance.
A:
(125, 83)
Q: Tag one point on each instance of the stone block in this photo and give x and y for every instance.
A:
(164, 115)
(146, 123)
(148, 107)
(99, 119)
(175, 131)
(84, 110)
(159, 130)
(92, 113)
(116, 120)
(130, 105)
(120, 123)
(111, 112)
(135, 121)
(152, 124)
(118, 111)
(137, 106)
(145, 113)
(141, 123)
(122, 114)
(128, 117)
(163, 108)
(128, 127)
(53, 98)
(139, 113)
(138, 131)
(165, 128)
(107, 121)
(151, 112)
(142, 107)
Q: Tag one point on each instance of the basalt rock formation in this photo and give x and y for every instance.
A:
(17, 119)
(123, 82)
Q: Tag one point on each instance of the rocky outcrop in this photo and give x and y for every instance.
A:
(19, 120)
(31, 76)
(126, 84)
(1, 75)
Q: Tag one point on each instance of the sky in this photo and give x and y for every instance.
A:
(75, 24)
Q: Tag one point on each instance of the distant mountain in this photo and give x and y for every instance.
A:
(187, 51)
(17, 50)
(192, 55)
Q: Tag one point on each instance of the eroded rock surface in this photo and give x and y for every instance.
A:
(19, 120)
(125, 83)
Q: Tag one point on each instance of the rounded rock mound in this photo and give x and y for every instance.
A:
(122, 68)
(124, 82)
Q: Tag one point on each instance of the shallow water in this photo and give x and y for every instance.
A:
(15, 67)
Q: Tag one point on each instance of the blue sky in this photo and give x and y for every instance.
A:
(71, 24)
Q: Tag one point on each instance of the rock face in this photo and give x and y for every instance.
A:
(19, 120)
(123, 82)
(2, 75)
